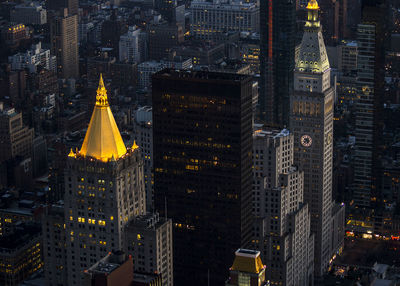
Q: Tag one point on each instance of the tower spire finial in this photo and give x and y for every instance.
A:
(101, 97)
(313, 5)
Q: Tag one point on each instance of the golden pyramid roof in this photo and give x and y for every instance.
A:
(247, 261)
(102, 140)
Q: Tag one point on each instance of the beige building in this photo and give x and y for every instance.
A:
(15, 138)
(311, 122)
(282, 219)
(64, 43)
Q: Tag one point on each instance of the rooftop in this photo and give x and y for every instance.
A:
(247, 260)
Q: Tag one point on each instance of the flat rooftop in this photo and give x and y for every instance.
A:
(200, 75)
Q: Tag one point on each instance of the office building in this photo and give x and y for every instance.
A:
(20, 254)
(162, 38)
(348, 58)
(149, 241)
(211, 20)
(143, 134)
(282, 219)
(57, 5)
(202, 163)
(111, 31)
(370, 90)
(277, 56)
(129, 49)
(54, 251)
(247, 269)
(32, 14)
(33, 58)
(115, 269)
(14, 34)
(16, 138)
(64, 43)
(311, 121)
(104, 190)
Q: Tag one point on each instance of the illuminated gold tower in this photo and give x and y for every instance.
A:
(104, 190)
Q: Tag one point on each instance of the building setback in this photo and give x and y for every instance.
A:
(202, 162)
(282, 223)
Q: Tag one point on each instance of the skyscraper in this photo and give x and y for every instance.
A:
(277, 46)
(311, 121)
(282, 219)
(202, 163)
(64, 43)
(104, 190)
(369, 122)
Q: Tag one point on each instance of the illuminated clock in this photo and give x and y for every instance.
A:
(306, 140)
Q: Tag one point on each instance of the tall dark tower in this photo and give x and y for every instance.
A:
(311, 121)
(202, 162)
(277, 29)
(56, 5)
(369, 123)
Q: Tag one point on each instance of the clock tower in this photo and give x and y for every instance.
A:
(311, 121)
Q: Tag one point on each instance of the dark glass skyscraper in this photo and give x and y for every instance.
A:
(202, 163)
(371, 35)
(277, 30)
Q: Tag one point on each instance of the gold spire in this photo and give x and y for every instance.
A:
(101, 97)
(71, 153)
(134, 146)
(313, 5)
(102, 140)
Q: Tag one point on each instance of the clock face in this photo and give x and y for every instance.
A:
(306, 140)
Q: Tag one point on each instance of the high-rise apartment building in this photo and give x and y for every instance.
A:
(149, 241)
(282, 219)
(202, 164)
(71, 5)
(211, 20)
(277, 60)
(64, 43)
(104, 190)
(16, 139)
(311, 121)
(369, 122)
